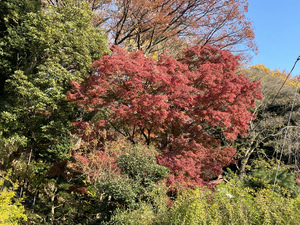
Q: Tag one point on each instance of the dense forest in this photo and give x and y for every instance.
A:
(143, 112)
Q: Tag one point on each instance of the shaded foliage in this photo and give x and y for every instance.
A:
(119, 176)
(266, 137)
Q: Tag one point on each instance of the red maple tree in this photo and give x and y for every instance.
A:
(189, 107)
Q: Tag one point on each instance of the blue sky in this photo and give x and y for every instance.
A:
(276, 25)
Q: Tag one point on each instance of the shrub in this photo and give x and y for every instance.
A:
(11, 210)
(233, 204)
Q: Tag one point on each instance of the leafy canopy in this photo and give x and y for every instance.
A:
(42, 53)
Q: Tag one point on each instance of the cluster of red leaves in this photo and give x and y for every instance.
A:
(297, 177)
(192, 164)
(96, 166)
(186, 106)
(90, 158)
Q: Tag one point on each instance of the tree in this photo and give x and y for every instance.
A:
(263, 145)
(42, 50)
(151, 26)
(190, 108)
(10, 16)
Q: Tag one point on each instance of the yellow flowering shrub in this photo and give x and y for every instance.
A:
(11, 209)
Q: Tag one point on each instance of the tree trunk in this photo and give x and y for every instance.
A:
(244, 162)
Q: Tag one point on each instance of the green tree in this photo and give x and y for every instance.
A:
(11, 14)
(42, 49)
(49, 48)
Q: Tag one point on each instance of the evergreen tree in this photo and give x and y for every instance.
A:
(41, 50)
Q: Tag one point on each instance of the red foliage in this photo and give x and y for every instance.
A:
(96, 166)
(193, 164)
(150, 25)
(188, 107)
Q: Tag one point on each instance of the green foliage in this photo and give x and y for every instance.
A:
(11, 209)
(150, 211)
(9, 146)
(233, 204)
(272, 208)
(189, 208)
(41, 50)
(12, 13)
(140, 165)
(142, 216)
(264, 177)
(120, 190)
(136, 188)
(142, 173)
(42, 53)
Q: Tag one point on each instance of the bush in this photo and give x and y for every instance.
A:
(264, 177)
(139, 164)
(11, 210)
(233, 204)
(132, 182)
